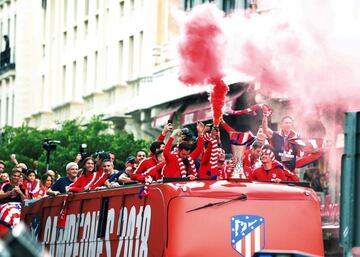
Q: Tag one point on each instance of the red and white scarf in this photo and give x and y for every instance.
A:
(214, 155)
(192, 167)
(147, 182)
(226, 169)
(252, 110)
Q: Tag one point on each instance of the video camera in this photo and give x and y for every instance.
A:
(83, 151)
(102, 155)
(50, 145)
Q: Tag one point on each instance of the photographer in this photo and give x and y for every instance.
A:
(182, 164)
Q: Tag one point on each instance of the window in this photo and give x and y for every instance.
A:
(97, 23)
(95, 69)
(131, 57)
(63, 88)
(74, 81)
(228, 5)
(64, 39)
(122, 8)
(141, 42)
(75, 9)
(65, 13)
(86, 7)
(188, 4)
(7, 111)
(85, 68)
(75, 35)
(12, 109)
(44, 4)
(86, 28)
(120, 59)
(42, 93)
(43, 50)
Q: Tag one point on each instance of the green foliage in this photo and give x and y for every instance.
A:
(27, 142)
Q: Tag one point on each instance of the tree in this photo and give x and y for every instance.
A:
(26, 143)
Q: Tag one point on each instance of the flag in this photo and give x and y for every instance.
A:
(10, 213)
(247, 234)
(242, 138)
(63, 213)
(308, 145)
(310, 150)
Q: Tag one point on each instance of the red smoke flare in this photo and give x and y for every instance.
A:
(217, 98)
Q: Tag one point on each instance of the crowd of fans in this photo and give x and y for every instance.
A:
(268, 156)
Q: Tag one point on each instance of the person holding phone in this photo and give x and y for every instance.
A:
(12, 191)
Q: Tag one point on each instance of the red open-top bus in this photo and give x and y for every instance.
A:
(181, 219)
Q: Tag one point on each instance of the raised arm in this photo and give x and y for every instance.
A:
(267, 131)
(167, 149)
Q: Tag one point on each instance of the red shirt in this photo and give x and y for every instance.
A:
(267, 175)
(32, 188)
(205, 170)
(42, 192)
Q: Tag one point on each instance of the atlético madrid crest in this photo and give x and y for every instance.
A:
(247, 234)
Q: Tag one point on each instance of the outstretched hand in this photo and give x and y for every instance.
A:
(176, 132)
(200, 127)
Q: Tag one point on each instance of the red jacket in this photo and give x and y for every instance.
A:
(145, 165)
(100, 179)
(155, 172)
(249, 161)
(84, 182)
(267, 175)
(172, 168)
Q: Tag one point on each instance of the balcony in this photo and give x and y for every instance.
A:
(6, 63)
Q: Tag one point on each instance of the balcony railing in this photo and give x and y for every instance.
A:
(6, 63)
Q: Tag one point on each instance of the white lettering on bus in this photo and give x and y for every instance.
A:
(109, 230)
(122, 224)
(71, 228)
(145, 231)
(68, 242)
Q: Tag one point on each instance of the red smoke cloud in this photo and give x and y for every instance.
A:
(307, 50)
(202, 46)
(202, 51)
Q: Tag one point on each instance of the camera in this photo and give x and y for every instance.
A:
(83, 151)
(185, 131)
(50, 145)
(102, 155)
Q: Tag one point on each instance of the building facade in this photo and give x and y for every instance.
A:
(18, 62)
(68, 59)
